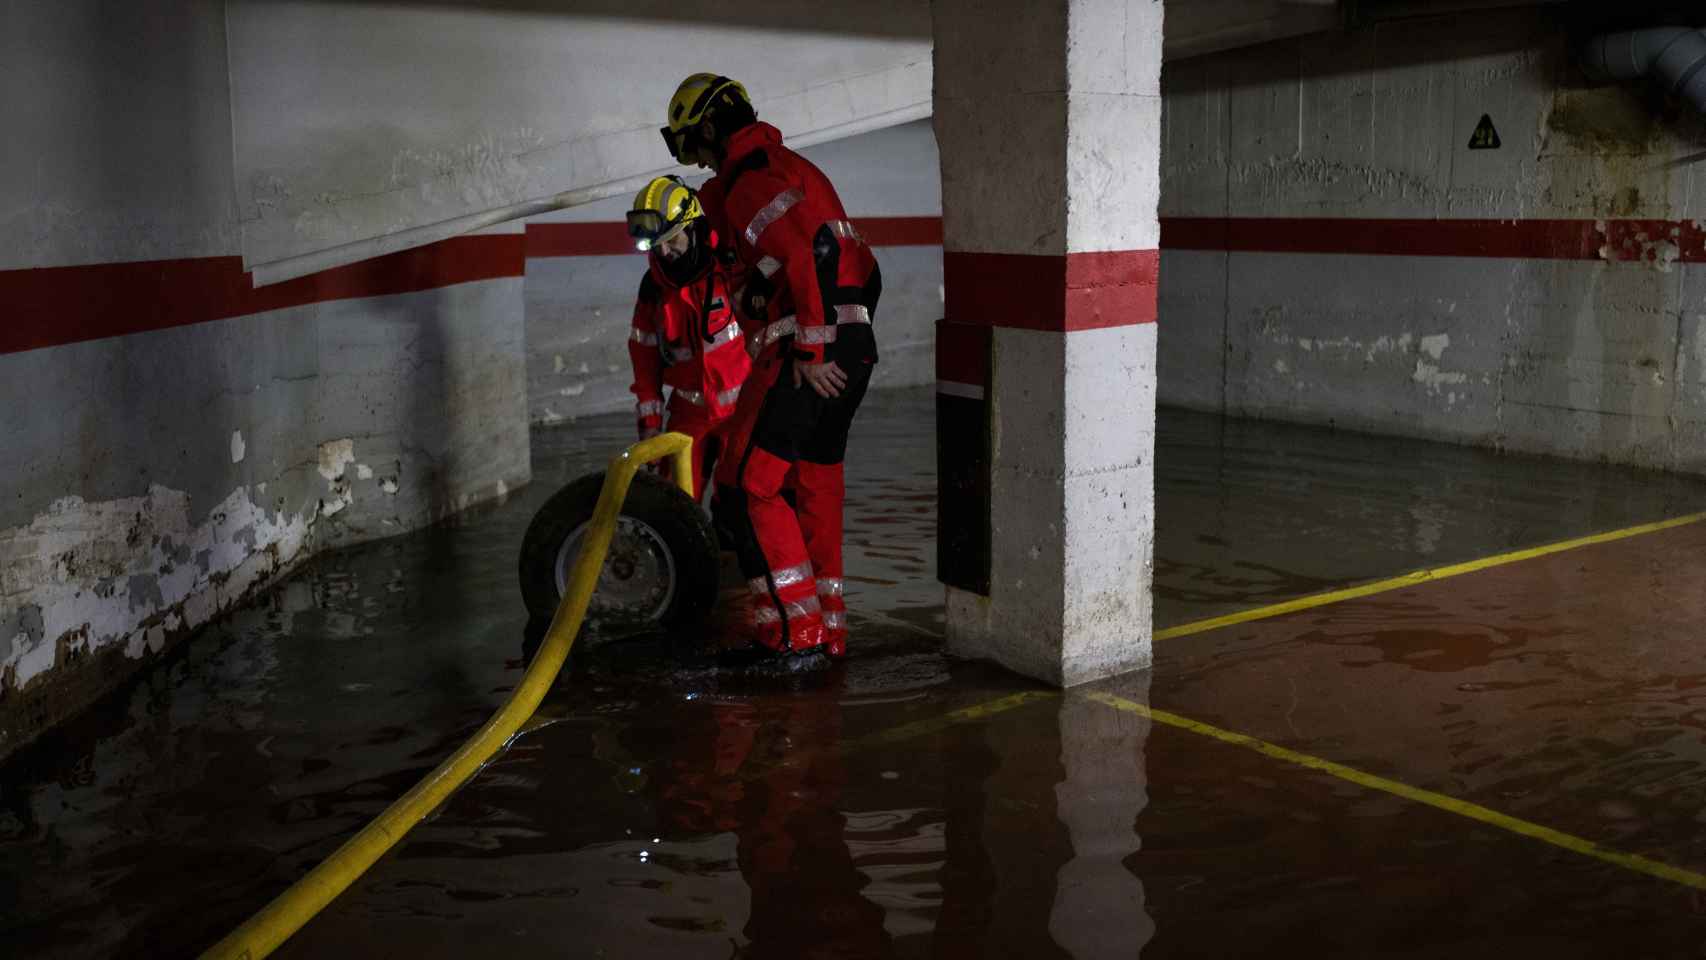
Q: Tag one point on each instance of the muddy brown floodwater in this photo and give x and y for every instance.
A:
(909, 805)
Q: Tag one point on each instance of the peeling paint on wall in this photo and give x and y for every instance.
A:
(84, 576)
(335, 455)
(335, 458)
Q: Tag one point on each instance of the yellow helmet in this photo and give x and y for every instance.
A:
(701, 97)
(662, 209)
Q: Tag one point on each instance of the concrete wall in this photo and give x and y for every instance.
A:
(415, 113)
(175, 439)
(1335, 253)
(580, 301)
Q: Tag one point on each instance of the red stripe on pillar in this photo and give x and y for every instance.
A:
(1111, 289)
(52, 306)
(1078, 291)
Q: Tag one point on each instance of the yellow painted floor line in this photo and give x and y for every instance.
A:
(1462, 808)
(919, 728)
(1419, 577)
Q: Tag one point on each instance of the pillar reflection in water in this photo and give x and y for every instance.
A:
(1098, 902)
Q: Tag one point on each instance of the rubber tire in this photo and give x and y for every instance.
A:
(685, 530)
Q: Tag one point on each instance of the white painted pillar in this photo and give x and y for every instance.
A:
(1048, 119)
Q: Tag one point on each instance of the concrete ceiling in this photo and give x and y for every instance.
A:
(1197, 27)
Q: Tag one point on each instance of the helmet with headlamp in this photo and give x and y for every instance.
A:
(662, 210)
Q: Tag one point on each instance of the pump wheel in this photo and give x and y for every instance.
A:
(660, 573)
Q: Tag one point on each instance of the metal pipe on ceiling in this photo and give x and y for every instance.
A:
(1674, 57)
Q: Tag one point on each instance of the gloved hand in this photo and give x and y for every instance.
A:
(648, 431)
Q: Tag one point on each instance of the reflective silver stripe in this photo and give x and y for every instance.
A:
(650, 408)
(802, 608)
(831, 587)
(773, 211)
(847, 313)
(643, 338)
(776, 331)
(835, 619)
(852, 313)
(723, 337)
(788, 576)
(844, 230)
(697, 398)
(798, 608)
(758, 587)
(672, 355)
(768, 266)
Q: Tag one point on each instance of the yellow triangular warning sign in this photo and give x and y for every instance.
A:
(1484, 137)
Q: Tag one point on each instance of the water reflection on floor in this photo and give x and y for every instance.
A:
(910, 805)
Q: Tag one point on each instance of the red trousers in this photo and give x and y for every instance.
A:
(783, 434)
(708, 438)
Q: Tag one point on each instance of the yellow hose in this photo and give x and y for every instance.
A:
(266, 930)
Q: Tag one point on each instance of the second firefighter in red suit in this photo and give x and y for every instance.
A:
(810, 294)
(685, 335)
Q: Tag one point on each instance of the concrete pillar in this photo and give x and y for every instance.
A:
(1048, 119)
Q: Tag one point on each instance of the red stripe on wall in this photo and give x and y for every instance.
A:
(1637, 240)
(1079, 291)
(578, 240)
(52, 306)
(900, 231)
(1513, 239)
(611, 239)
(58, 305)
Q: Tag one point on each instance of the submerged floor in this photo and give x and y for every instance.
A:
(910, 805)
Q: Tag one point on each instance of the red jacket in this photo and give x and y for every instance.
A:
(788, 224)
(687, 338)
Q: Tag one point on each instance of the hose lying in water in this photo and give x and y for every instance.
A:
(262, 933)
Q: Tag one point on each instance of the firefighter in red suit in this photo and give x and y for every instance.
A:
(686, 334)
(809, 296)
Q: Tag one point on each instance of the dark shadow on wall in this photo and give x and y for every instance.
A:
(149, 96)
(1390, 36)
(425, 436)
(888, 18)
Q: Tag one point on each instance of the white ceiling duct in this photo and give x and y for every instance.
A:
(1673, 57)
